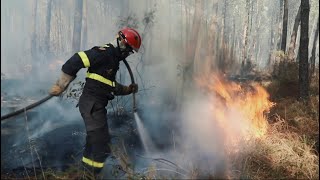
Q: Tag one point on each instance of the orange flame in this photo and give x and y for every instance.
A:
(239, 110)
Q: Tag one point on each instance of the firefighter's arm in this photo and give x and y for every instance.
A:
(70, 68)
(121, 90)
(82, 59)
(61, 84)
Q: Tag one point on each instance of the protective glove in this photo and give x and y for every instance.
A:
(133, 88)
(55, 90)
(61, 84)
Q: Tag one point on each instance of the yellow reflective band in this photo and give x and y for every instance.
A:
(84, 58)
(101, 79)
(92, 163)
(106, 45)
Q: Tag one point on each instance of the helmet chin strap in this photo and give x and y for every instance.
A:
(121, 49)
(121, 46)
(118, 44)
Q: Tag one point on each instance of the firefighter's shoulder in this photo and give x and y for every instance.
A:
(103, 47)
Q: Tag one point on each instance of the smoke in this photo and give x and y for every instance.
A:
(203, 140)
(195, 144)
(183, 130)
(208, 132)
(187, 137)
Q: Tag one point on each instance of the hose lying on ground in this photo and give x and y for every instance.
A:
(14, 113)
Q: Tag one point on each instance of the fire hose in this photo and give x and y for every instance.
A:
(17, 112)
(132, 81)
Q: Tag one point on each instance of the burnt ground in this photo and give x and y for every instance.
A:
(61, 147)
(56, 138)
(52, 137)
(57, 148)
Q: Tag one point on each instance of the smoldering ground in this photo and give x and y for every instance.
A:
(53, 136)
(44, 129)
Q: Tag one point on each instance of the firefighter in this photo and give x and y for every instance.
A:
(100, 87)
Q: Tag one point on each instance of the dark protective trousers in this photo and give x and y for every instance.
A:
(96, 149)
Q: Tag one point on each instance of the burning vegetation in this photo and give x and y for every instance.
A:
(238, 109)
(257, 142)
(242, 104)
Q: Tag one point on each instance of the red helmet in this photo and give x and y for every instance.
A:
(132, 38)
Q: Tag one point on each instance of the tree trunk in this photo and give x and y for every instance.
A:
(250, 39)
(233, 40)
(224, 20)
(245, 39)
(272, 44)
(284, 26)
(188, 68)
(292, 44)
(278, 34)
(303, 60)
(170, 29)
(257, 32)
(76, 39)
(195, 28)
(60, 44)
(34, 44)
(313, 52)
(191, 46)
(198, 55)
(84, 22)
(223, 38)
(187, 30)
(48, 28)
(216, 41)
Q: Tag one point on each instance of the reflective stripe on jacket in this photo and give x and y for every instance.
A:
(95, 76)
(92, 163)
(102, 63)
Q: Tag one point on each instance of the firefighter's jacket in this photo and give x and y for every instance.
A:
(102, 63)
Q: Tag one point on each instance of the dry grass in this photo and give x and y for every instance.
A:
(290, 149)
(302, 118)
(290, 152)
(282, 154)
